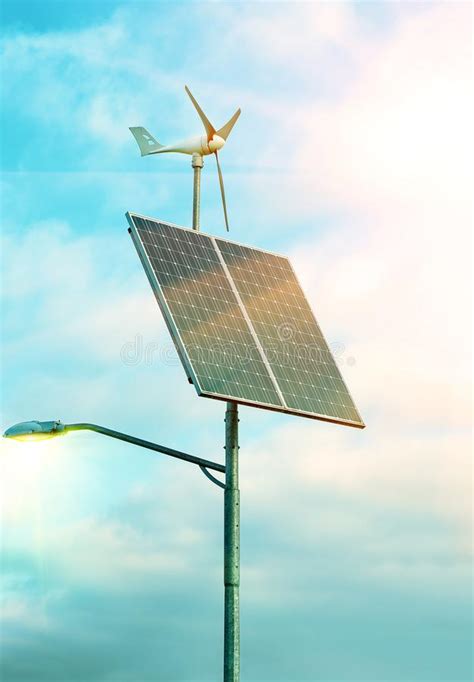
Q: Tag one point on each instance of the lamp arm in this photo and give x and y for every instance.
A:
(146, 444)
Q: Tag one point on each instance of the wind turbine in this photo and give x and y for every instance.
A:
(198, 146)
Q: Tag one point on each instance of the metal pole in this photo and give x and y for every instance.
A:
(231, 504)
(197, 163)
(231, 547)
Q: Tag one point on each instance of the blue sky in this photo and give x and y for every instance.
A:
(351, 155)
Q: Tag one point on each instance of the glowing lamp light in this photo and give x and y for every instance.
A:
(34, 430)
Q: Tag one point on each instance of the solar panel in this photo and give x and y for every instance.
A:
(297, 352)
(240, 322)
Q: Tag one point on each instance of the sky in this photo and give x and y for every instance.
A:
(352, 156)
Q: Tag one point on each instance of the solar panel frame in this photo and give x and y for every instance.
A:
(181, 346)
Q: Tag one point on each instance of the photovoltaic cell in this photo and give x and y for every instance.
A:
(241, 323)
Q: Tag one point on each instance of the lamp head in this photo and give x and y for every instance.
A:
(34, 430)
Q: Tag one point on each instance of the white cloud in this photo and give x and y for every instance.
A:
(399, 137)
(302, 32)
(78, 293)
(115, 555)
(27, 612)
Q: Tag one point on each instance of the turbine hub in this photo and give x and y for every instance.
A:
(215, 143)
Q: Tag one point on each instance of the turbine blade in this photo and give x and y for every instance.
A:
(210, 130)
(146, 142)
(224, 132)
(221, 183)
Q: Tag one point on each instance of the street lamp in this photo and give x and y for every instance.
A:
(35, 430)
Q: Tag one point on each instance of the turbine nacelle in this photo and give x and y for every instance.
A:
(210, 143)
(193, 145)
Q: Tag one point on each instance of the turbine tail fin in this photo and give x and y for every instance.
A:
(224, 132)
(146, 141)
